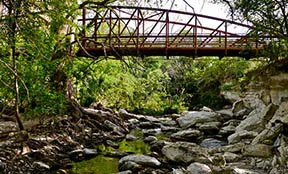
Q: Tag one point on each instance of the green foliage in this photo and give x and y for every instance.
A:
(269, 18)
(116, 86)
(201, 79)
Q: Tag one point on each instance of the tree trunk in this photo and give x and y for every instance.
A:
(13, 35)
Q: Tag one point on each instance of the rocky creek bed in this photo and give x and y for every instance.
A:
(248, 137)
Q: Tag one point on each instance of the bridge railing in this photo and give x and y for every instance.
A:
(150, 28)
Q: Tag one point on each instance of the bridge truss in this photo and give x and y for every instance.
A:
(142, 31)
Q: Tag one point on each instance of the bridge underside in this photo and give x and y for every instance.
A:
(188, 52)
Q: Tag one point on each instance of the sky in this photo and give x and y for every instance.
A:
(204, 7)
(201, 7)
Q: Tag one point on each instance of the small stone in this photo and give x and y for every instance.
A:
(258, 150)
(130, 137)
(150, 139)
(142, 160)
(179, 171)
(210, 127)
(90, 152)
(129, 165)
(167, 129)
(243, 171)
(151, 131)
(211, 142)
(125, 172)
(188, 135)
(198, 168)
(41, 165)
(232, 157)
(232, 147)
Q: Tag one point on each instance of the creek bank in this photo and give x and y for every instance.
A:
(250, 136)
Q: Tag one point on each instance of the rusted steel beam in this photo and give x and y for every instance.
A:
(128, 39)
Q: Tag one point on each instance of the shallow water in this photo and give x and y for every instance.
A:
(107, 165)
(97, 165)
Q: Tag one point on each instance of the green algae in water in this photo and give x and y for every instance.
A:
(107, 165)
(136, 146)
(97, 165)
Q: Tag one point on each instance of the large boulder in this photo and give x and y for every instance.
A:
(193, 117)
(184, 152)
(231, 96)
(252, 100)
(271, 132)
(187, 135)
(281, 114)
(256, 120)
(198, 168)
(239, 135)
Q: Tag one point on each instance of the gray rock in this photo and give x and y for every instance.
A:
(210, 127)
(113, 126)
(226, 114)
(77, 154)
(232, 122)
(179, 171)
(240, 114)
(270, 133)
(143, 160)
(148, 125)
(232, 157)
(129, 165)
(211, 142)
(231, 96)
(252, 100)
(158, 145)
(90, 152)
(238, 106)
(238, 136)
(198, 168)
(188, 135)
(130, 137)
(167, 129)
(243, 171)
(227, 130)
(150, 139)
(193, 117)
(185, 152)
(238, 147)
(256, 121)
(125, 115)
(281, 113)
(40, 165)
(258, 150)
(169, 123)
(125, 172)
(151, 131)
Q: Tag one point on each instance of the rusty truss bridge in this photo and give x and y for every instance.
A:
(140, 31)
